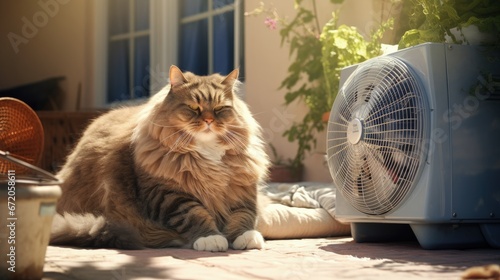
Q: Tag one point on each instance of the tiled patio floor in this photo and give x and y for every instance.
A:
(321, 258)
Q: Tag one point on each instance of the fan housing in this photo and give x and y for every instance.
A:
(412, 146)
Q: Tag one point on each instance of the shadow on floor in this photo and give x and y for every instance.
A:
(140, 258)
(398, 253)
(129, 270)
(178, 253)
(124, 271)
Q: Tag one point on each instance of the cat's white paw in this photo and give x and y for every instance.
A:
(250, 239)
(213, 243)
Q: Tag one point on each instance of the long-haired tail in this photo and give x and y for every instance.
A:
(90, 231)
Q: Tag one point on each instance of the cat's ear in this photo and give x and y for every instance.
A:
(231, 78)
(230, 82)
(176, 76)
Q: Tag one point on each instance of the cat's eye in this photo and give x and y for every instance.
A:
(194, 107)
(218, 108)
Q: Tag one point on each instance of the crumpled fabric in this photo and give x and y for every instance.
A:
(298, 195)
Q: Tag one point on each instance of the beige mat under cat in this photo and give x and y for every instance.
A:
(302, 210)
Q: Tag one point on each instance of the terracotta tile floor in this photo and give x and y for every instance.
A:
(321, 258)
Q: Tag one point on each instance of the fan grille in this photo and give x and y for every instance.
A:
(21, 134)
(376, 135)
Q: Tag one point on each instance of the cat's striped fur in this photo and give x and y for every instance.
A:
(181, 170)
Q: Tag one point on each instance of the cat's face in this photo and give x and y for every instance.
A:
(205, 109)
(201, 109)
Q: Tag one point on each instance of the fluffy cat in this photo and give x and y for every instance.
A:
(181, 170)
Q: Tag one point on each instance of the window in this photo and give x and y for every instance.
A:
(210, 36)
(128, 49)
(144, 38)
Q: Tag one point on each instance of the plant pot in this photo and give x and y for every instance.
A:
(27, 208)
(471, 35)
(325, 117)
(285, 174)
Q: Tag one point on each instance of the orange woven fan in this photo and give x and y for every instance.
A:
(21, 134)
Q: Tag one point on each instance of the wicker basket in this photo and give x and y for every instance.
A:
(62, 131)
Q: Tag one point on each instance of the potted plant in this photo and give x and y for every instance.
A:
(318, 54)
(283, 171)
(458, 21)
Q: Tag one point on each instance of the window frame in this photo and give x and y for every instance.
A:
(129, 37)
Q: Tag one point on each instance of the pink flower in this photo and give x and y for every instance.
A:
(270, 23)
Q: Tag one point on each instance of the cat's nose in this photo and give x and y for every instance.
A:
(209, 120)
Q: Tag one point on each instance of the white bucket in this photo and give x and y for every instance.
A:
(27, 206)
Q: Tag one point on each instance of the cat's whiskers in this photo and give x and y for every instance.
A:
(172, 134)
(233, 138)
(236, 133)
(183, 140)
(258, 113)
(235, 126)
(161, 125)
(230, 142)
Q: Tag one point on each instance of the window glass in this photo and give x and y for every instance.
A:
(141, 67)
(221, 3)
(128, 50)
(118, 16)
(141, 15)
(193, 7)
(118, 71)
(193, 52)
(223, 50)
